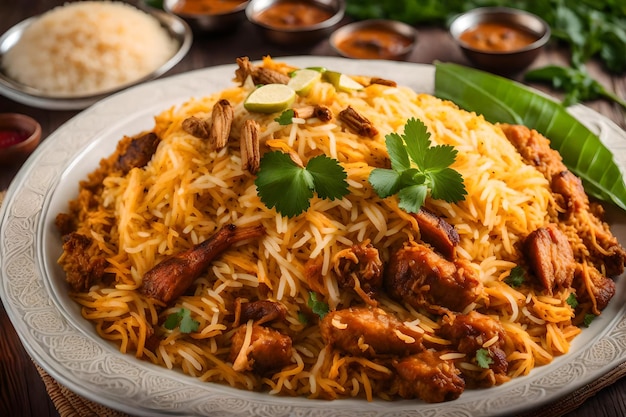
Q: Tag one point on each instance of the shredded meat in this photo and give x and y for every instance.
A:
(138, 152)
(426, 376)
(357, 123)
(550, 257)
(535, 150)
(359, 267)
(260, 75)
(268, 350)
(420, 277)
(591, 285)
(260, 311)
(368, 332)
(170, 278)
(438, 232)
(249, 146)
(82, 269)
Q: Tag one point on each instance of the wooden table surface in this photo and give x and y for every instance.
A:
(22, 392)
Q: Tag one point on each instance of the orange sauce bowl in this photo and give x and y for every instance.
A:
(374, 39)
(500, 39)
(19, 136)
(208, 15)
(295, 22)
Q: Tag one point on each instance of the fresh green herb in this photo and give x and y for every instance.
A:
(516, 277)
(317, 306)
(181, 319)
(572, 300)
(483, 359)
(302, 318)
(417, 168)
(588, 319)
(285, 117)
(287, 186)
(577, 84)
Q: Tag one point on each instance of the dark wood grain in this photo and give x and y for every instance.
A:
(22, 392)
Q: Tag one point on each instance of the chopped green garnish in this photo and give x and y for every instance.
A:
(319, 307)
(572, 300)
(516, 277)
(283, 184)
(588, 319)
(418, 168)
(302, 318)
(483, 359)
(285, 117)
(181, 319)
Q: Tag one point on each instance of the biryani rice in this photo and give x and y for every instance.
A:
(88, 47)
(187, 192)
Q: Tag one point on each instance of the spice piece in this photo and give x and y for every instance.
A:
(222, 119)
(357, 123)
(249, 142)
(321, 112)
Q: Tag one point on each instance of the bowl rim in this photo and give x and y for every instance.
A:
(34, 136)
(325, 24)
(169, 4)
(411, 33)
(485, 14)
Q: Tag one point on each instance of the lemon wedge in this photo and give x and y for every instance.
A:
(303, 79)
(342, 82)
(270, 98)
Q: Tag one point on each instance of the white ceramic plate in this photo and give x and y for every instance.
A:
(67, 347)
(176, 27)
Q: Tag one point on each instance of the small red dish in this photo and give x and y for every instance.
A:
(19, 136)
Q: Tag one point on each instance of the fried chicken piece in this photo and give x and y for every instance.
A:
(267, 350)
(137, 153)
(550, 257)
(368, 332)
(420, 277)
(260, 311)
(591, 285)
(437, 232)
(426, 376)
(359, 267)
(170, 278)
(82, 269)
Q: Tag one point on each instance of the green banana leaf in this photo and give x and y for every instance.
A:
(499, 99)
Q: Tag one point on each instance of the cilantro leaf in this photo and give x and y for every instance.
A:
(483, 359)
(572, 300)
(317, 306)
(181, 319)
(283, 184)
(516, 277)
(588, 319)
(417, 168)
(329, 178)
(285, 117)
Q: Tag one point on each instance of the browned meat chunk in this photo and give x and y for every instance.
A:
(360, 267)
(82, 268)
(474, 331)
(170, 278)
(357, 123)
(260, 75)
(268, 350)
(550, 257)
(369, 332)
(138, 152)
(420, 277)
(65, 223)
(438, 232)
(426, 376)
(260, 311)
(592, 285)
(536, 151)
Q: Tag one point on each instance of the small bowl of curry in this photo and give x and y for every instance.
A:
(374, 39)
(295, 22)
(208, 15)
(500, 39)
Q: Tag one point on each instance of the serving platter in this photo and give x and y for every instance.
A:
(177, 28)
(67, 347)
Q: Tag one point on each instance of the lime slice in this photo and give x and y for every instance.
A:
(342, 82)
(270, 98)
(303, 79)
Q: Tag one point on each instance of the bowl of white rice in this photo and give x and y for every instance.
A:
(73, 55)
